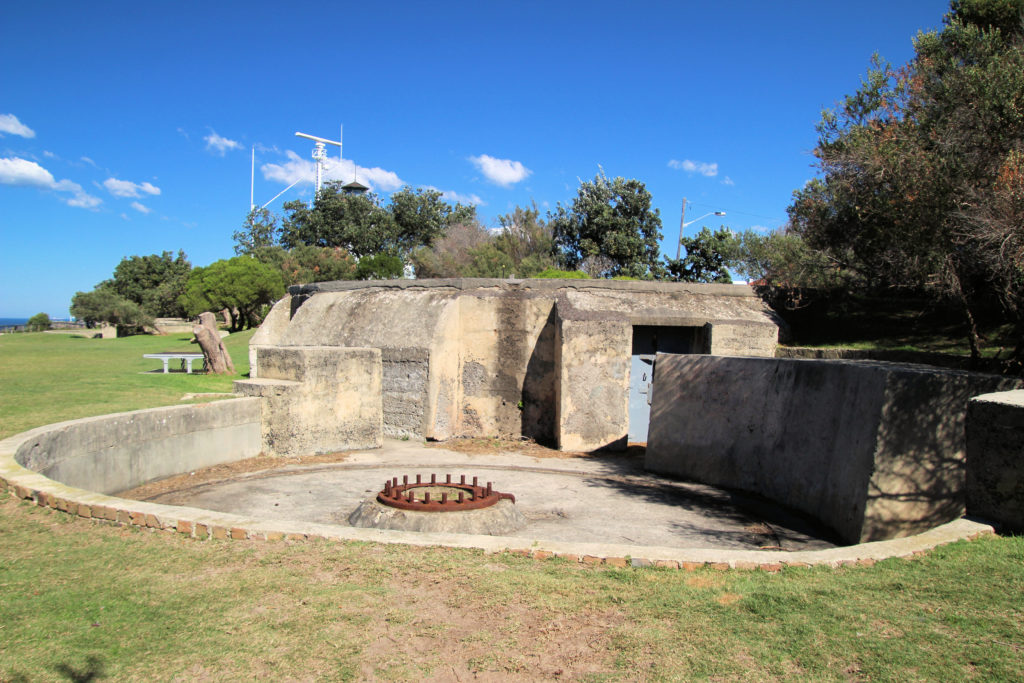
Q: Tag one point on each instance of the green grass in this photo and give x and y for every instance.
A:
(79, 596)
(87, 600)
(47, 378)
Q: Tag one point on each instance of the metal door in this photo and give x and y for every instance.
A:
(641, 374)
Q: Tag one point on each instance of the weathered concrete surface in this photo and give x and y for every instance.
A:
(501, 519)
(117, 452)
(995, 458)
(318, 399)
(593, 384)
(604, 498)
(873, 450)
(490, 346)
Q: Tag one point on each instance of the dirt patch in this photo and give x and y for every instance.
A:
(482, 446)
(442, 630)
(226, 471)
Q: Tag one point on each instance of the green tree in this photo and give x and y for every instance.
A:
(709, 255)
(360, 224)
(915, 163)
(304, 264)
(451, 255)
(421, 217)
(527, 241)
(379, 267)
(613, 220)
(259, 231)
(154, 282)
(355, 222)
(38, 323)
(241, 285)
(104, 305)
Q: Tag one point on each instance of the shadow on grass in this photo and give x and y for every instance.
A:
(92, 671)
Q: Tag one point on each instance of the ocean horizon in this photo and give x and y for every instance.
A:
(11, 322)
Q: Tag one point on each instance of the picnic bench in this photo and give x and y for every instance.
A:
(167, 356)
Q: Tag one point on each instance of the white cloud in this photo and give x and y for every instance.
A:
(728, 181)
(25, 173)
(141, 208)
(297, 169)
(89, 161)
(705, 169)
(220, 145)
(504, 172)
(126, 188)
(452, 196)
(10, 125)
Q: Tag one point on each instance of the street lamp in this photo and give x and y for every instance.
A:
(682, 215)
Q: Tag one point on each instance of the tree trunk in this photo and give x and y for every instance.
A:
(216, 356)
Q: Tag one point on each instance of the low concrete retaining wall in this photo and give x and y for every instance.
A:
(995, 458)
(118, 452)
(873, 450)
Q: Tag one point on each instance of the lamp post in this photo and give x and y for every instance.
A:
(682, 215)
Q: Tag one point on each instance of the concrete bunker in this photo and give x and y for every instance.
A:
(548, 360)
(873, 450)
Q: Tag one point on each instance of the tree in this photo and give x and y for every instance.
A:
(380, 267)
(355, 222)
(451, 255)
(709, 255)
(527, 241)
(153, 282)
(259, 231)
(104, 305)
(421, 217)
(38, 323)
(305, 264)
(613, 219)
(241, 285)
(360, 224)
(919, 168)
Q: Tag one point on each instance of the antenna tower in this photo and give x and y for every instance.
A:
(320, 156)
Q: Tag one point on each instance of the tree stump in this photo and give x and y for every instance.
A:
(216, 358)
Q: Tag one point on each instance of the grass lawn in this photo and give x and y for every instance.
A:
(83, 600)
(48, 377)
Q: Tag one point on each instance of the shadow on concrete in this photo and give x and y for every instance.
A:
(763, 522)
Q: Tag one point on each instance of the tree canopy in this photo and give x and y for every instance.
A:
(153, 282)
(104, 305)
(241, 285)
(709, 255)
(611, 222)
(361, 224)
(922, 170)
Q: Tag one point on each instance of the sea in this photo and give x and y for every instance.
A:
(10, 322)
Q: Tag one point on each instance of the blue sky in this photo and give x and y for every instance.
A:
(127, 128)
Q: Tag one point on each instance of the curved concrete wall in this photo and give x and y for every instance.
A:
(113, 453)
(995, 458)
(874, 450)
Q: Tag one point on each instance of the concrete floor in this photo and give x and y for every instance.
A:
(604, 499)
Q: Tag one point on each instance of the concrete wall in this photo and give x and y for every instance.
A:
(118, 452)
(995, 458)
(318, 399)
(491, 346)
(874, 450)
(404, 383)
